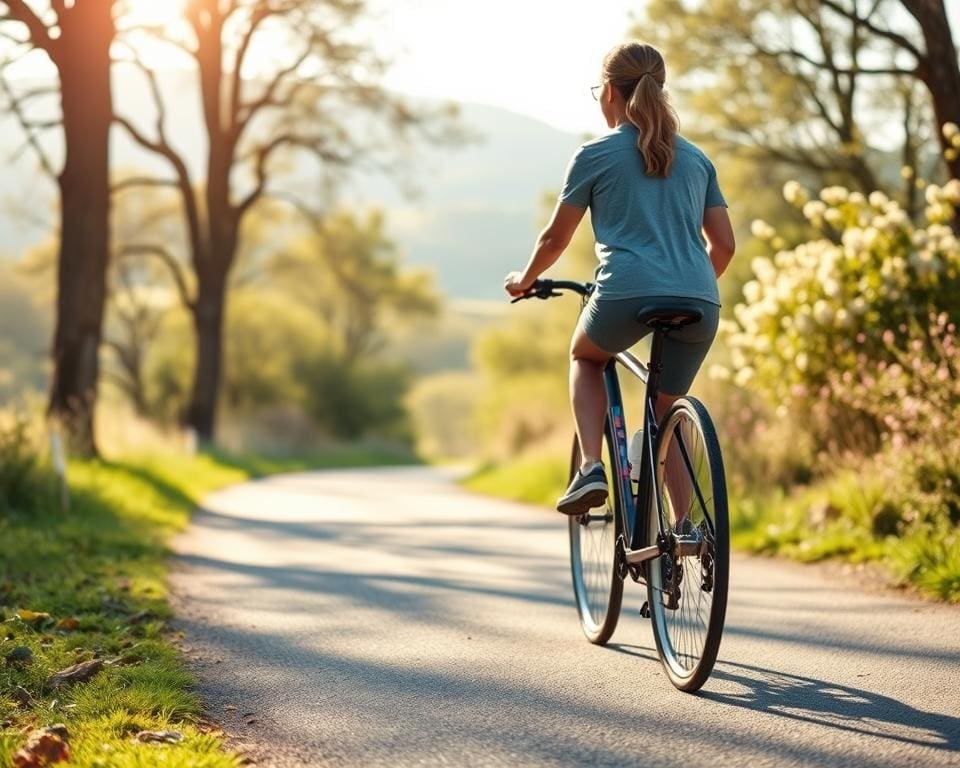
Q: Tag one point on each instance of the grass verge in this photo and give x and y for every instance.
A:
(90, 583)
(530, 479)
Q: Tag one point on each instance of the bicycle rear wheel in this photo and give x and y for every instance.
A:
(597, 585)
(687, 591)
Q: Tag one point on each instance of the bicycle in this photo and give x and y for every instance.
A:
(680, 551)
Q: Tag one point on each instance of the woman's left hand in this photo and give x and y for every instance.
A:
(515, 284)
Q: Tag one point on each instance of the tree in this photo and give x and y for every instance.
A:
(348, 273)
(799, 82)
(297, 104)
(76, 37)
(141, 290)
(934, 60)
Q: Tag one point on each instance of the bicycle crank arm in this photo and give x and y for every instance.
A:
(692, 546)
(637, 556)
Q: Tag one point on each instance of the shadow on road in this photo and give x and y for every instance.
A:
(824, 703)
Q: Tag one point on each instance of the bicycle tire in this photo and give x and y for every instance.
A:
(593, 556)
(688, 650)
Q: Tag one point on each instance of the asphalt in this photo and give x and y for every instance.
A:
(385, 617)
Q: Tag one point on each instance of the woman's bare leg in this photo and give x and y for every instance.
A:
(677, 477)
(588, 395)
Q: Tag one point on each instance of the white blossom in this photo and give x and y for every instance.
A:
(814, 209)
(794, 193)
(762, 230)
(834, 195)
(822, 312)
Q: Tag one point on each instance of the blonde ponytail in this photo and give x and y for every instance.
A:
(638, 72)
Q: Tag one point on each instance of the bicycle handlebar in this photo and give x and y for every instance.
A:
(547, 289)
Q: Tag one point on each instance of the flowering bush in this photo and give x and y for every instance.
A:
(820, 311)
(818, 307)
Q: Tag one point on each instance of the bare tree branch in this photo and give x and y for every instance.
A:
(143, 181)
(32, 139)
(174, 267)
(162, 148)
(316, 145)
(864, 21)
(18, 10)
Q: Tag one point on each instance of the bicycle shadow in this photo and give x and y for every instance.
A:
(820, 702)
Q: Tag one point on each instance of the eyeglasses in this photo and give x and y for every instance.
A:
(595, 91)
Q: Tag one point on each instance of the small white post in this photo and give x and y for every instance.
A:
(59, 459)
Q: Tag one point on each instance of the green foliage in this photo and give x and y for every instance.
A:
(268, 338)
(900, 508)
(301, 336)
(349, 274)
(24, 477)
(354, 400)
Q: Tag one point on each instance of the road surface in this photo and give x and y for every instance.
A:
(387, 618)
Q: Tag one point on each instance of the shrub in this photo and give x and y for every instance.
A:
(25, 480)
(851, 296)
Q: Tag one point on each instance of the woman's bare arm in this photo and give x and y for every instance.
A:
(719, 232)
(550, 245)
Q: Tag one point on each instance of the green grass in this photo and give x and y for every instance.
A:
(101, 562)
(532, 479)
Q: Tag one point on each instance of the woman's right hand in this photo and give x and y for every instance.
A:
(516, 284)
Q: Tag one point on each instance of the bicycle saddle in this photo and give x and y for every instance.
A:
(669, 318)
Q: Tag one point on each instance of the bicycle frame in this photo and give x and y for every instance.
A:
(636, 512)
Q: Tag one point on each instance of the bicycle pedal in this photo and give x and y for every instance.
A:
(645, 610)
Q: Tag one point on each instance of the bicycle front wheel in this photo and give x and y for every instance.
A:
(687, 588)
(597, 585)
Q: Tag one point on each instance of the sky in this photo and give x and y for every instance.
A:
(534, 57)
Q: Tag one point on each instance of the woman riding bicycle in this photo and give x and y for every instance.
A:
(652, 196)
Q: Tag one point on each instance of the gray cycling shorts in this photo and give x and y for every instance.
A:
(612, 325)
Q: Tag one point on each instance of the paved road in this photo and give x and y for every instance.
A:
(384, 617)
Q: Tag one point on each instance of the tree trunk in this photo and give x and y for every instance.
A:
(939, 69)
(208, 314)
(84, 66)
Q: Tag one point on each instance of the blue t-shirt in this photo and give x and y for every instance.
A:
(648, 230)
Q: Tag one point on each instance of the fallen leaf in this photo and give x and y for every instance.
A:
(45, 746)
(32, 616)
(159, 737)
(67, 625)
(123, 584)
(19, 655)
(77, 673)
(142, 616)
(229, 708)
